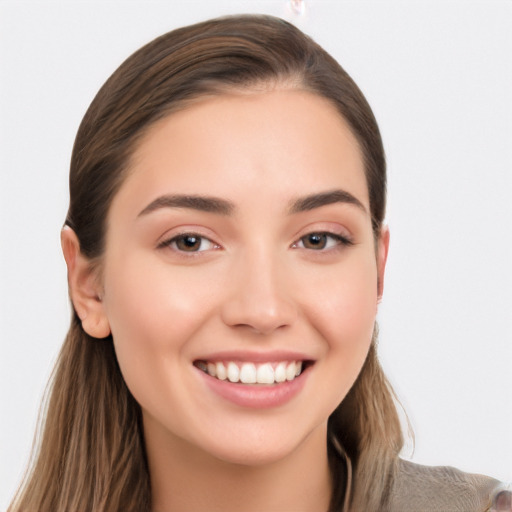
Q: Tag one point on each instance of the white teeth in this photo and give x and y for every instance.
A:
(265, 374)
(291, 370)
(233, 372)
(251, 373)
(248, 373)
(221, 371)
(210, 368)
(280, 372)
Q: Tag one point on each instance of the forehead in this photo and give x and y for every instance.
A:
(281, 142)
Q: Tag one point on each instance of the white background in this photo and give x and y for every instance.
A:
(439, 78)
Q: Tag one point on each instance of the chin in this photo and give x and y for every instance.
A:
(260, 448)
(253, 457)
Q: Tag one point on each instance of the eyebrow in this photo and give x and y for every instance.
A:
(224, 207)
(313, 201)
(201, 203)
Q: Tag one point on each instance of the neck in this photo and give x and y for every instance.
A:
(183, 477)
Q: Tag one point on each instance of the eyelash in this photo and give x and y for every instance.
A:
(172, 242)
(339, 240)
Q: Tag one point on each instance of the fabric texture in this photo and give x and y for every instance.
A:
(441, 489)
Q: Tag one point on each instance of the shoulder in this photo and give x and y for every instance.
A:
(440, 488)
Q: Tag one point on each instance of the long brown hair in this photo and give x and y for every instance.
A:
(90, 455)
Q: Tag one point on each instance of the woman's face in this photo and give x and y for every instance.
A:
(241, 244)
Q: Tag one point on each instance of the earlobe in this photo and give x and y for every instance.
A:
(382, 256)
(84, 289)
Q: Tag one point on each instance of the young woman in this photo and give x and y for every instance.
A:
(226, 254)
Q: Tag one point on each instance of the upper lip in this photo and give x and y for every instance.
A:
(245, 356)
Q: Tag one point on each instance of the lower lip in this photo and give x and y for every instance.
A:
(256, 396)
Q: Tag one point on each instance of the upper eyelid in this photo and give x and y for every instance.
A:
(172, 234)
(334, 227)
(336, 232)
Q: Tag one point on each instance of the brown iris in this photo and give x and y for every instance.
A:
(188, 243)
(315, 241)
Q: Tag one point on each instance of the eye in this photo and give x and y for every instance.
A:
(189, 242)
(321, 241)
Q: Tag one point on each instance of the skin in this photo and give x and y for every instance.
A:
(255, 286)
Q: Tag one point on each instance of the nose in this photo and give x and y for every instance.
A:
(260, 296)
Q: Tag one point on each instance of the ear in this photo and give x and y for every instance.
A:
(382, 256)
(84, 288)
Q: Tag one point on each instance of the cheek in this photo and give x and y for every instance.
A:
(146, 300)
(343, 312)
(345, 303)
(152, 314)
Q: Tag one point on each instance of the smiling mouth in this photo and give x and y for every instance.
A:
(253, 373)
